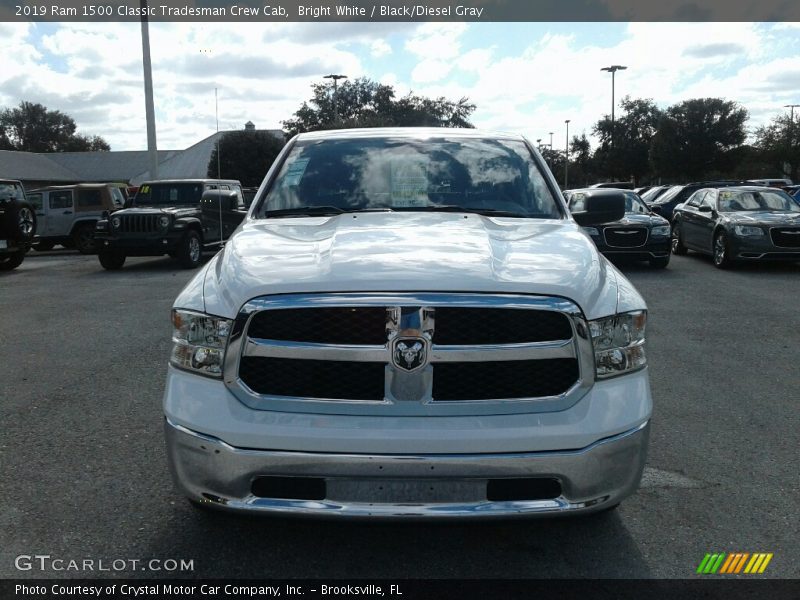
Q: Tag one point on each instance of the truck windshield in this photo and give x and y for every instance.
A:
(484, 175)
(163, 194)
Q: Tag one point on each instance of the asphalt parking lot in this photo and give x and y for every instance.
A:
(83, 472)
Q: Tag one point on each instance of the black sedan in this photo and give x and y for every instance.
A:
(738, 223)
(678, 194)
(640, 235)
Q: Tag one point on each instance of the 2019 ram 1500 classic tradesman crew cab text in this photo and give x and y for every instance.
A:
(409, 323)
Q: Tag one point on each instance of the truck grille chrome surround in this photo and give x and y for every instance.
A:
(515, 353)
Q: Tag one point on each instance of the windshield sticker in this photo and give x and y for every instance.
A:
(725, 195)
(145, 189)
(295, 172)
(409, 184)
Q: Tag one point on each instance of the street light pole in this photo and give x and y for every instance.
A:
(551, 140)
(566, 157)
(150, 111)
(791, 108)
(613, 69)
(336, 79)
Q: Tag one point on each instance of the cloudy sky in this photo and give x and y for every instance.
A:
(524, 77)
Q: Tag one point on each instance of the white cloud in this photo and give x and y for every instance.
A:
(380, 48)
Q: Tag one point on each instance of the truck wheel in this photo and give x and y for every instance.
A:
(83, 237)
(11, 261)
(659, 262)
(677, 240)
(190, 250)
(111, 261)
(43, 246)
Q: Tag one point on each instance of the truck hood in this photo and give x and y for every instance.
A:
(409, 252)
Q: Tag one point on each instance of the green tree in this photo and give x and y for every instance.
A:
(624, 145)
(33, 128)
(779, 145)
(365, 103)
(582, 163)
(245, 155)
(697, 138)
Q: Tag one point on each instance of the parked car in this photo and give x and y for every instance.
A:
(67, 214)
(410, 323)
(617, 185)
(179, 217)
(738, 224)
(641, 190)
(639, 235)
(777, 183)
(666, 203)
(17, 224)
(650, 195)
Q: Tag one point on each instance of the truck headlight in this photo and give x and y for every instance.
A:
(199, 342)
(661, 231)
(116, 222)
(619, 343)
(163, 221)
(747, 231)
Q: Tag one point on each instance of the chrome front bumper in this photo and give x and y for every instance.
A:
(212, 472)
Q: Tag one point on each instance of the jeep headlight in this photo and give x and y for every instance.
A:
(661, 231)
(199, 342)
(747, 231)
(619, 343)
(164, 221)
(116, 222)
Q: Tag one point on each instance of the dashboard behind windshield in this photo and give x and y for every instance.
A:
(411, 174)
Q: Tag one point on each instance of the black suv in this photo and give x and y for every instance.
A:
(17, 224)
(180, 217)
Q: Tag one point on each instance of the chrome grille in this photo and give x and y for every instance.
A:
(785, 237)
(625, 237)
(409, 354)
(139, 223)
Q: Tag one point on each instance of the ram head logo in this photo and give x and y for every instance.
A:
(409, 354)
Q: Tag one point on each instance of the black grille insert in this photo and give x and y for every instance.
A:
(339, 325)
(786, 237)
(462, 326)
(340, 380)
(625, 237)
(503, 379)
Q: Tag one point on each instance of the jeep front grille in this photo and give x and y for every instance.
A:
(139, 223)
(409, 354)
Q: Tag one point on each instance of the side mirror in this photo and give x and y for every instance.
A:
(656, 210)
(216, 200)
(601, 206)
(705, 208)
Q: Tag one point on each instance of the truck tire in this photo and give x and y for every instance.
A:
(11, 261)
(190, 250)
(83, 237)
(110, 260)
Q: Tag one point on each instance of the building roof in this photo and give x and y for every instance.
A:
(33, 167)
(131, 166)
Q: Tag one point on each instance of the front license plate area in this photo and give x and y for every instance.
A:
(405, 491)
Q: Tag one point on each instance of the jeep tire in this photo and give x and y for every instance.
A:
(9, 262)
(190, 250)
(111, 260)
(83, 238)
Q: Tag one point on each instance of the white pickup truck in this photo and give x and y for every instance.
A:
(410, 323)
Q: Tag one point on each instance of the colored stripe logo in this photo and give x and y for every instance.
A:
(734, 563)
